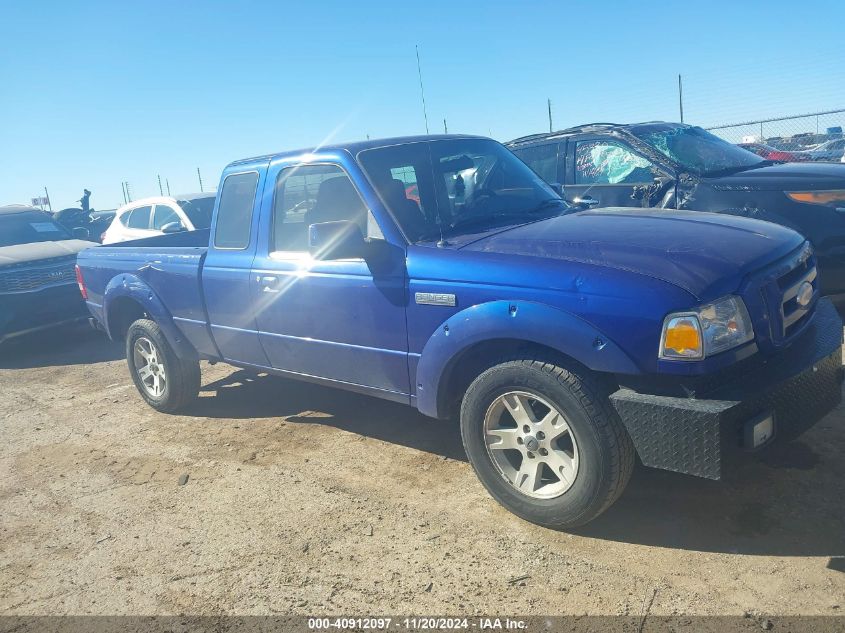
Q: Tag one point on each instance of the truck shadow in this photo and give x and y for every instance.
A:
(244, 395)
(76, 344)
(783, 503)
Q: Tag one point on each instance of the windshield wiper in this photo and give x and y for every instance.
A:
(521, 217)
(548, 202)
(525, 215)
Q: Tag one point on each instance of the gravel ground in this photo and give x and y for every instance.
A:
(275, 497)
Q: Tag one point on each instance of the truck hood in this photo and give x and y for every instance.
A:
(703, 253)
(785, 177)
(21, 253)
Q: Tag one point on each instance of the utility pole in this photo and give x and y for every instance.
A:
(160, 190)
(550, 115)
(199, 175)
(49, 205)
(167, 182)
(445, 129)
(422, 92)
(681, 97)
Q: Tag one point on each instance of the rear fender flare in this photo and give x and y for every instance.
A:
(531, 322)
(133, 287)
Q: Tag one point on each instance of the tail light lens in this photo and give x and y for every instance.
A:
(81, 283)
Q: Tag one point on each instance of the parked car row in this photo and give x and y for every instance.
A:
(772, 153)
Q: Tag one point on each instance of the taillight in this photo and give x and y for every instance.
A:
(81, 283)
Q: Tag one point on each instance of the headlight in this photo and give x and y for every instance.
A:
(830, 197)
(706, 330)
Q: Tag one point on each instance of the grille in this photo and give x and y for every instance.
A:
(796, 306)
(29, 276)
(795, 312)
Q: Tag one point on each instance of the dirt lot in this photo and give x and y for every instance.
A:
(305, 500)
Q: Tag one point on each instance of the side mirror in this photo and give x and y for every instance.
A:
(172, 227)
(557, 187)
(336, 240)
(81, 233)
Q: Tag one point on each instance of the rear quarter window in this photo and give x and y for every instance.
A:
(543, 159)
(234, 213)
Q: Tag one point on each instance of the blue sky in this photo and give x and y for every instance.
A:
(95, 93)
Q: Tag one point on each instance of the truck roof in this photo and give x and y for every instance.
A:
(585, 129)
(354, 147)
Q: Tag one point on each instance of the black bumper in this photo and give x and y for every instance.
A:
(23, 312)
(694, 435)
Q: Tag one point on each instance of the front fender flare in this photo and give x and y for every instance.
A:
(513, 320)
(133, 287)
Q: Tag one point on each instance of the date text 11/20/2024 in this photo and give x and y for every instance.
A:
(417, 624)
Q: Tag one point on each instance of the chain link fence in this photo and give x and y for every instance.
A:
(813, 132)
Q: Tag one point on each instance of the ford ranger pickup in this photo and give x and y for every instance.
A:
(441, 272)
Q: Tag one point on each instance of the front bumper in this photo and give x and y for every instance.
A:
(25, 312)
(694, 435)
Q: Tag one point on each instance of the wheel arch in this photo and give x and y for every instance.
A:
(128, 298)
(473, 339)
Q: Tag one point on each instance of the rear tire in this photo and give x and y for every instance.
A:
(166, 381)
(545, 441)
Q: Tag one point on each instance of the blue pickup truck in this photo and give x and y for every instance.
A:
(442, 273)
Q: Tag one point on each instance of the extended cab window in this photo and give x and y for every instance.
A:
(234, 214)
(542, 159)
(311, 194)
(139, 218)
(609, 163)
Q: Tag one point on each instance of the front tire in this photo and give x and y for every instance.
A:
(166, 381)
(545, 441)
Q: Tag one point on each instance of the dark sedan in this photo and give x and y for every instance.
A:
(677, 166)
(38, 286)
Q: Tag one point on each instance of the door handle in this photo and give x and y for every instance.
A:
(586, 201)
(268, 283)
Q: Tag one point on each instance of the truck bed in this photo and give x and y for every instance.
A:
(170, 264)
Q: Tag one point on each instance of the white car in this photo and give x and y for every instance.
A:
(159, 215)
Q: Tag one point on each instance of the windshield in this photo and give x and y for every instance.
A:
(456, 186)
(696, 149)
(29, 227)
(198, 211)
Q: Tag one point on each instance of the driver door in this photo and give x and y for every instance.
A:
(342, 319)
(608, 173)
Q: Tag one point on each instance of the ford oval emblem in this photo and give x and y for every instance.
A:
(805, 294)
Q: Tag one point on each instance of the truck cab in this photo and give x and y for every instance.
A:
(442, 273)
